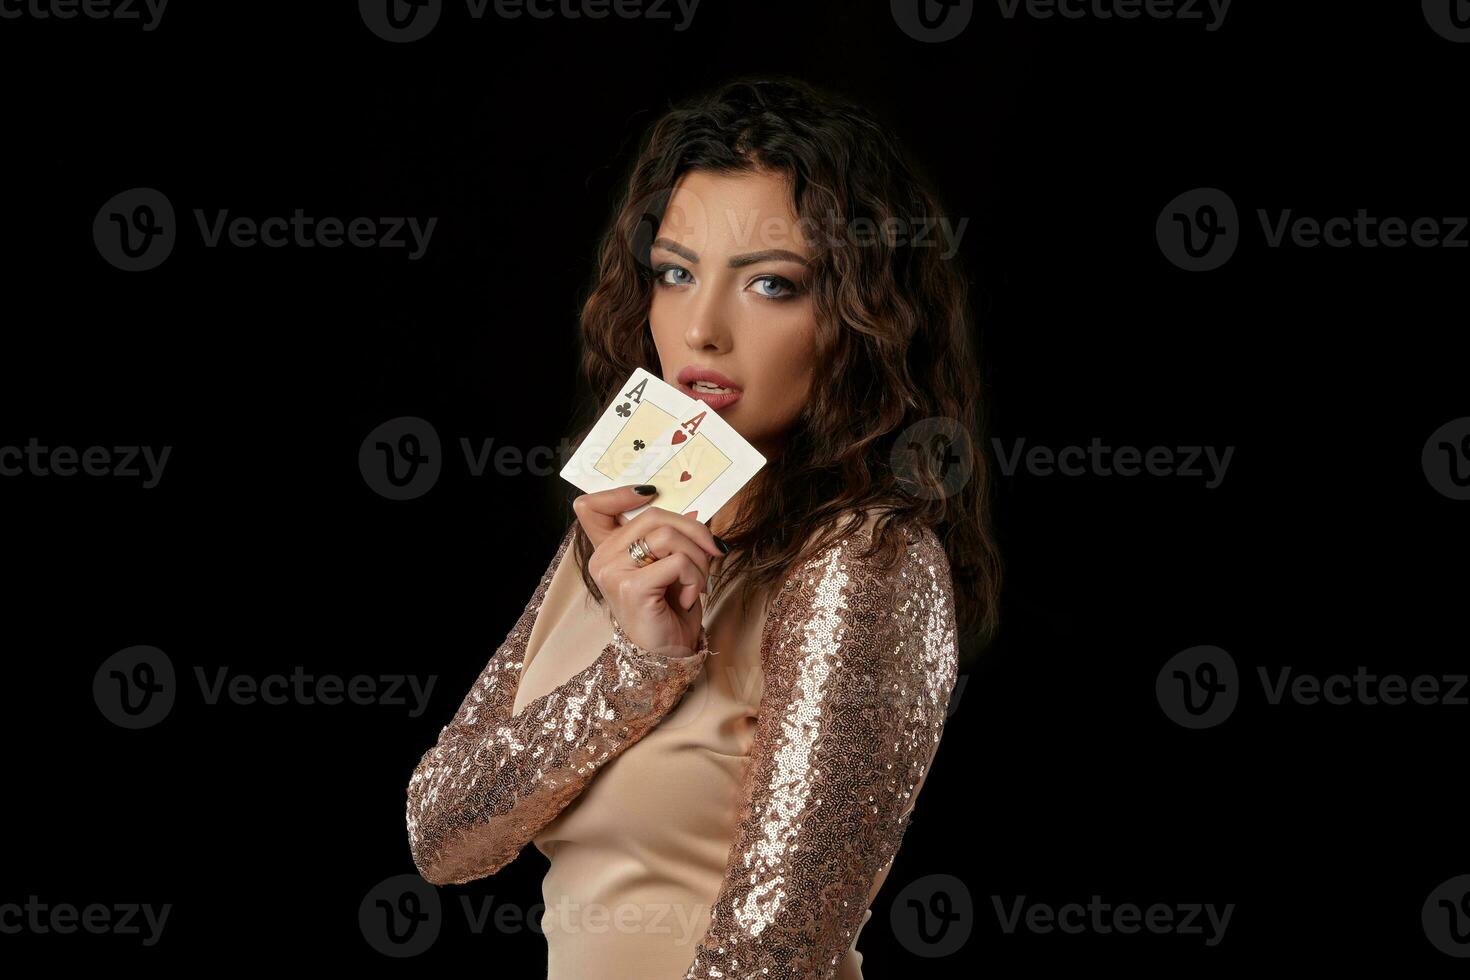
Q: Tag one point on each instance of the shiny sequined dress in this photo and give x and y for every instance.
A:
(731, 813)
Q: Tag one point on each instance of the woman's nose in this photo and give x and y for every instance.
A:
(708, 324)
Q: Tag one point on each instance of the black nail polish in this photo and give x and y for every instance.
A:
(720, 543)
(647, 489)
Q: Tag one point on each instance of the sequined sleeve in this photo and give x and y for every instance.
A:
(859, 661)
(493, 781)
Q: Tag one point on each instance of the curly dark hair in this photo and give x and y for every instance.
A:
(893, 338)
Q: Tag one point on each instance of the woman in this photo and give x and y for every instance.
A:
(721, 787)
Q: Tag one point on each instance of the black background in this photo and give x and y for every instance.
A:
(1059, 141)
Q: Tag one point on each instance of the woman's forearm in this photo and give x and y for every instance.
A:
(493, 781)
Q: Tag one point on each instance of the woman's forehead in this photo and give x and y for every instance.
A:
(733, 212)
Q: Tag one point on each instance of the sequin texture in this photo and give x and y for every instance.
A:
(493, 781)
(859, 661)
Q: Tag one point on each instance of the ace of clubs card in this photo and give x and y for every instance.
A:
(654, 433)
(635, 434)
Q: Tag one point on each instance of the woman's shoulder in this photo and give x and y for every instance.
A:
(873, 595)
(855, 530)
(908, 555)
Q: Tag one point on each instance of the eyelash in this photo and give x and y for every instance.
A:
(792, 289)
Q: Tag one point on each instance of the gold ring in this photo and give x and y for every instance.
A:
(641, 553)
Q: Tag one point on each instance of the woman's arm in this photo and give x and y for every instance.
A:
(493, 781)
(859, 661)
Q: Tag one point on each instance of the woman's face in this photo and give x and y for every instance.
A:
(732, 297)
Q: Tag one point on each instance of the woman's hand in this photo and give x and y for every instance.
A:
(658, 605)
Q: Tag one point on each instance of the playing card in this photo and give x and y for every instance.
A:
(654, 433)
(707, 468)
(637, 432)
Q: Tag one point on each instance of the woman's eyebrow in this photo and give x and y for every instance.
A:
(736, 261)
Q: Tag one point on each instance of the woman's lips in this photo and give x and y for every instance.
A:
(714, 400)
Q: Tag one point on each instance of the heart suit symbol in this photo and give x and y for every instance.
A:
(683, 476)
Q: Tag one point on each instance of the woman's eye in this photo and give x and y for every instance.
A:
(771, 287)
(784, 287)
(663, 275)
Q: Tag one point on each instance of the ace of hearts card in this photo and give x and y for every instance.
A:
(654, 433)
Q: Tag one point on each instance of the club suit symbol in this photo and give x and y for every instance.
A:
(135, 230)
(1198, 230)
(1198, 687)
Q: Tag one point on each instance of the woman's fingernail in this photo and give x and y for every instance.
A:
(720, 543)
(647, 489)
